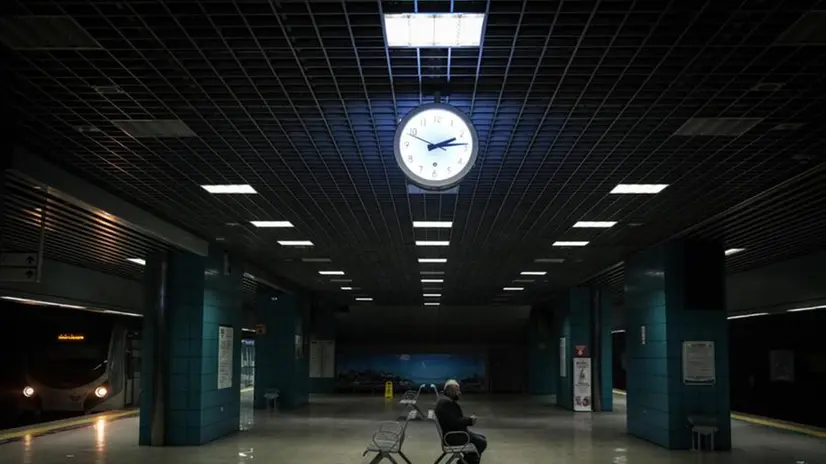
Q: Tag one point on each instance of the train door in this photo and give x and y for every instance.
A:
(133, 369)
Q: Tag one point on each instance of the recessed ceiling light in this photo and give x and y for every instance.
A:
(734, 251)
(331, 272)
(643, 189)
(618, 331)
(513, 289)
(432, 303)
(346, 288)
(241, 189)
(140, 261)
(743, 316)
(550, 260)
(432, 272)
(432, 281)
(415, 30)
(432, 224)
(570, 244)
(272, 224)
(364, 298)
(432, 260)
(295, 243)
(432, 295)
(595, 224)
(536, 273)
(432, 243)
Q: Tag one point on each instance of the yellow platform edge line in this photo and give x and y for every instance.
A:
(42, 429)
(766, 422)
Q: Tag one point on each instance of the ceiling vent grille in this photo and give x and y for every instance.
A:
(723, 127)
(810, 29)
(154, 128)
(45, 33)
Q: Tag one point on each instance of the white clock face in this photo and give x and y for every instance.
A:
(436, 145)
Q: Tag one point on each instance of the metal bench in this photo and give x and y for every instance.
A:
(456, 452)
(387, 441)
(702, 427)
(409, 401)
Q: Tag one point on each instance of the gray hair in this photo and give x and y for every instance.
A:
(451, 383)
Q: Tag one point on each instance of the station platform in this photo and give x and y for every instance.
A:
(336, 429)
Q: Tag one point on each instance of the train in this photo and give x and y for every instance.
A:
(81, 363)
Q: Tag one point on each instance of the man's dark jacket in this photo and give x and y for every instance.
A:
(450, 417)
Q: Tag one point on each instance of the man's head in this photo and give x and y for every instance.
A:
(452, 390)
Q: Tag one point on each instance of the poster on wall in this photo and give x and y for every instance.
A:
(781, 365)
(582, 384)
(328, 359)
(315, 358)
(225, 337)
(563, 362)
(698, 363)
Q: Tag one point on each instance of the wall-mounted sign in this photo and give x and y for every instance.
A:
(66, 337)
(582, 384)
(225, 341)
(698, 363)
(563, 360)
(642, 335)
(581, 351)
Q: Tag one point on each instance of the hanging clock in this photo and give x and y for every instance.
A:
(436, 145)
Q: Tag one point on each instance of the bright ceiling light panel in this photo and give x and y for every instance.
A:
(272, 224)
(432, 224)
(239, 189)
(534, 273)
(331, 272)
(513, 289)
(432, 272)
(418, 30)
(347, 288)
(550, 260)
(295, 243)
(432, 303)
(140, 261)
(570, 244)
(432, 295)
(595, 224)
(341, 281)
(432, 243)
(644, 189)
(734, 251)
(743, 316)
(522, 281)
(432, 281)
(433, 260)
(364, 298)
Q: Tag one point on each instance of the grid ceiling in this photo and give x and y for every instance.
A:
(301, 100)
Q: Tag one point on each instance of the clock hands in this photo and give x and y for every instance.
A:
(443, 144)
(425, 141)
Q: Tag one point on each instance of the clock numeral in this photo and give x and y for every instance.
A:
(423, 122)
(437, 119)
(451, 122)
(406, 143)
(460, 160)
(433, 175)
(413, 131)
(421, 168)
(467, 147)
(409, 158)
(461, 134)
(449, 170)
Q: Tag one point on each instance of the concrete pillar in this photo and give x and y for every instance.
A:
(281, 357)
(676, 293)
(542, 352)
(324, 330)
(190, 300)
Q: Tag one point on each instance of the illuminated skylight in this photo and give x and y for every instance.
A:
(432, 243)
(295, 243)
(432, 260)
(416, 30)
(241, 189)
(432, 281)
(331, 272)
(140, 261)
(272, 224)
(432, 224)
(533, 273)
(734, 251)
(643, 189)
(743, 316)
(595, 224)
(513, 289)
(570, 244)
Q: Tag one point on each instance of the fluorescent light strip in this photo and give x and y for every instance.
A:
(432, 224)
(248, 330)
(341, 281)
(618, 331)
(595, 224)
(549, 260)
(743, 316)
(513, 289)
(432, 272)
(570, 244)
(331, 272)
(272, 224)
(295, 243)
(364, 298)
(242, 189)
(347, 288)
(432, 243)
(121, 313)
(643, 189)
(734, 251)
(432, 295)
(432, 260)
(40, 302)
(522, 281)
(432, 281)
(533, 273)
(809, 308)
(317, 260)
(139, 261)
(443, 30)
(432, 303)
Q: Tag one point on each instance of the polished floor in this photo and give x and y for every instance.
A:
(336, 429)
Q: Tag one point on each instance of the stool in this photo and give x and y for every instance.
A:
(271, 396)
(700, 431)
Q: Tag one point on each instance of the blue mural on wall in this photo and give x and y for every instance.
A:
(364, 373)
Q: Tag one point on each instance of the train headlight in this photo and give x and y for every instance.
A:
(100, 392)
(28, 392)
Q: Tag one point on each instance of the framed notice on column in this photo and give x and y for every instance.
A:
(698, 363)
(316, 362)
(225, 341)
(582, 384)
(563, 362)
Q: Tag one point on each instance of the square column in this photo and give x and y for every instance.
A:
(542, 352)
(675, 293)
(190, 389)
(322, 350)
(281, 357)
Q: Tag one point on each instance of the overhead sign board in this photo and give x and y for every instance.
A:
(19, 267)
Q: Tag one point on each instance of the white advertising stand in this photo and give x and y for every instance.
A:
(582, 384)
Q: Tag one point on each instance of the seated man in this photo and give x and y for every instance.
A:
(450, 417)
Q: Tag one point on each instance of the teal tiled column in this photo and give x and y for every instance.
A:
(675, 293)
(543, 353)
(281, 357)
(200, 295)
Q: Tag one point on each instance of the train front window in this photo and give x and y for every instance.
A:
(68, 364)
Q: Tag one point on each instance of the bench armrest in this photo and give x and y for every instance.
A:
(462, 442)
